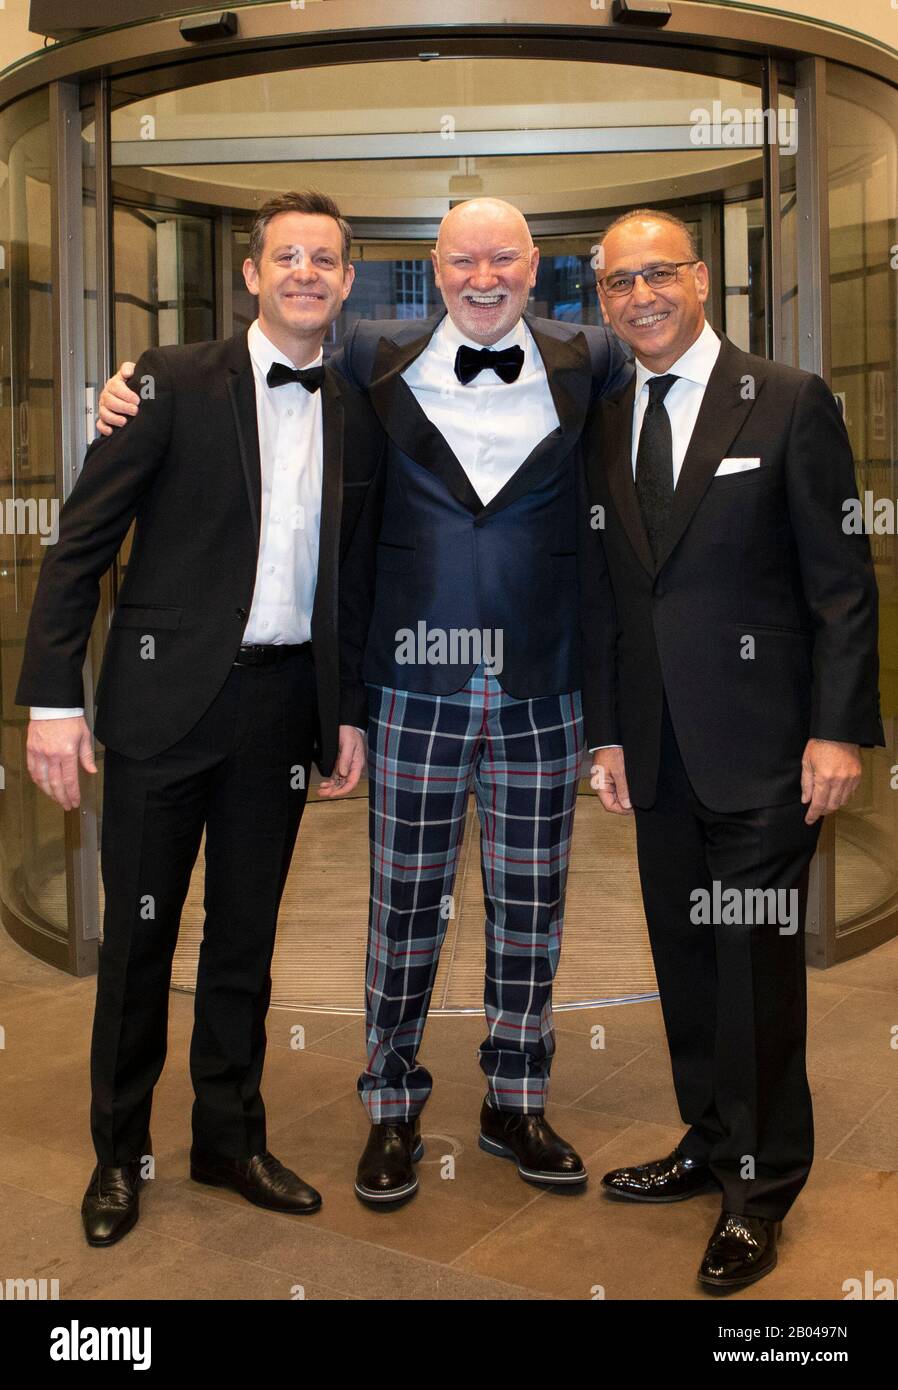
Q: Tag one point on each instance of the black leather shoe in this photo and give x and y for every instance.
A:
(385, 1172)
(541, 1155)
(111, 1203)
(262, 1180)
(670, 1179)
(741, 1250)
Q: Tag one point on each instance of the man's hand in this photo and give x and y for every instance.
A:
(53, 750)
(117, 401)
(348, 767)
(609, 780)
(830, 773)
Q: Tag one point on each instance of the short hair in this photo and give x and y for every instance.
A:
(655, 215)
(310, 201)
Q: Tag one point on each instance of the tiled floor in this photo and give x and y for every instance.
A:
(475, 1230)
(319, 959)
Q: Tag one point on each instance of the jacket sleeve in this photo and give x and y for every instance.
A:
(92, 525)
(612, 368)
(358, 576)
(598, 618)
(836, 569)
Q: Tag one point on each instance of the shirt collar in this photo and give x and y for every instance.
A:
(696, 363)
(451, 338)
(263, 351)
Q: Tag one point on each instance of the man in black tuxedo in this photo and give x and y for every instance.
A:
(245, 474)
(746, 660)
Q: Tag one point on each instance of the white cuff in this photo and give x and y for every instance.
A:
(47, 712)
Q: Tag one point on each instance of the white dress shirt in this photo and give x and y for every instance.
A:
(490, 425)
(291, 451)
(684, 398)
(682, 403)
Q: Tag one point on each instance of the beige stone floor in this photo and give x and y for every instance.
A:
(480, 1234)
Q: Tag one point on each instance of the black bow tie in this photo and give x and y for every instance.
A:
(309, 377)
(469, 362)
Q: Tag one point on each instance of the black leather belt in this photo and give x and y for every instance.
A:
(268, 655)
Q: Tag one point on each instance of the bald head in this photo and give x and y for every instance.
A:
(480, 214)
(485, 266)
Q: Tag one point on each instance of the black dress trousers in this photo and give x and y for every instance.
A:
(241, 775)
(733, 992)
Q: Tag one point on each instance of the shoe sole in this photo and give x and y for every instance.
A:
(616, 1194)
(492, 1146)
(210, 1180)
(398, 1194)
(728, 1285)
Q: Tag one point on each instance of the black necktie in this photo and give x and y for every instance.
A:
(469, 362)
(309, 377)
(654, 463)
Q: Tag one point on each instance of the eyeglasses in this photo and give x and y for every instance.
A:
(656, 277)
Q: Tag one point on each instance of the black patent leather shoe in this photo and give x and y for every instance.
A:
(111, 1203)
(670, 1179)
(262, 1180)
(541, 1155)
(386, 1168)
(741, 1250)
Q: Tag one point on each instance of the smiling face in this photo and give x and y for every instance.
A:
(660, 324)
(301, 281)
(485, 266)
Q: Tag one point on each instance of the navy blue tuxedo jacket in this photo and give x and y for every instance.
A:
(428, 551)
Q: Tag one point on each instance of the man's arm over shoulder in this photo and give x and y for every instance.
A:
(612, 362)
(836, 568)
(116, 473)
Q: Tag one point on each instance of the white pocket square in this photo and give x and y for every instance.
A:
(736, 466)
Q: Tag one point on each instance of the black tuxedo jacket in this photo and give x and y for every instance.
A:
(759, 620)
(430, 552)
(187, 469)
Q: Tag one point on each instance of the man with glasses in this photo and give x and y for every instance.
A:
(747, 673)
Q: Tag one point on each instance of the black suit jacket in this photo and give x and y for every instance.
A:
(187, 469)
(759, 620)
(430, 551)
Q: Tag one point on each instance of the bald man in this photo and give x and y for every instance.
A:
(461, 612)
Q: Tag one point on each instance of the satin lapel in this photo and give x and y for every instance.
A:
(406, 423)
(569, 373)
(331, 499)
(723, 412)
(242, 391)
(617, 444)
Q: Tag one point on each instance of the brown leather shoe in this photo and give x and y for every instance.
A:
(541, 1155)
(670, 1179)
(386, 1173)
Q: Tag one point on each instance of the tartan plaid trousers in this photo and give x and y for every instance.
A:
(425, 753)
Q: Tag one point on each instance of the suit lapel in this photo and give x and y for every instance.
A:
(406, 423)
(723, 412)
(331, 501)
(569, 373)
(617, 449)
(242, 392)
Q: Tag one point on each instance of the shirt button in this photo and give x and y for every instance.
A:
(289, 412)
